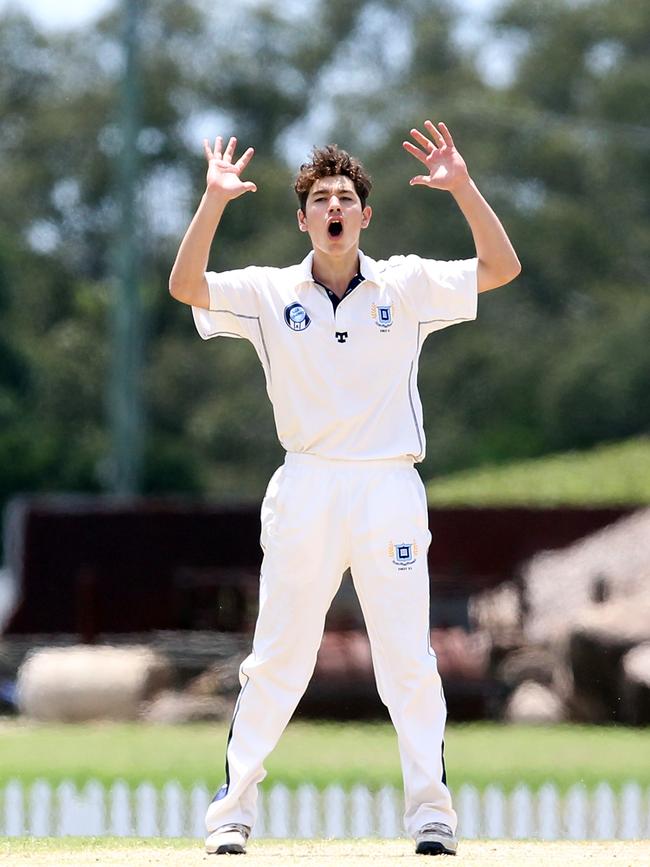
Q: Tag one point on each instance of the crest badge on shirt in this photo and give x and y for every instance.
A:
(403, 554)
(383, 315)
(296, 317)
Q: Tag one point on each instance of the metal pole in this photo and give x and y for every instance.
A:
(125, 394)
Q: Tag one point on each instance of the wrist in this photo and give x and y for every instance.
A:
(214, 199)
(464, 187)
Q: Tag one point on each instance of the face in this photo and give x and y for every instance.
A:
(333, 215)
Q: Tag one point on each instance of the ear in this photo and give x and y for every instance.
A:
(302, 220)
(366, 217)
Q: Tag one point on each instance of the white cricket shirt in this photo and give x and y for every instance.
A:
(343, 384)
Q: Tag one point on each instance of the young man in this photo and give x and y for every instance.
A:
(339, 337)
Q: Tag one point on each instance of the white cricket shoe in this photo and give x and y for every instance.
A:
(228, 840)
(435, 839)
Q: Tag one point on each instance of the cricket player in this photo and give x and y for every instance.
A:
(339, 336)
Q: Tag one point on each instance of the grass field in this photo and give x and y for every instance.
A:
(324, 753)
(273, 853)
(616, 474)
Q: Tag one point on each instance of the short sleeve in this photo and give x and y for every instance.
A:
(441, 293)
(234, 305)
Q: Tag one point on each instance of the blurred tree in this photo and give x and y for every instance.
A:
(560, 358)
(562, 152)
(575, 162)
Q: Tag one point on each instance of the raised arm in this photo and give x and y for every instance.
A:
(446, 170)
(187, 281)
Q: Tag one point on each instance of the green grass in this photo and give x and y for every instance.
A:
(485, 753)
(605, 476)
(324, 753)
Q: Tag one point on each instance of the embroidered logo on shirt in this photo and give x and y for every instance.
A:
(403, 553)
(341, 336)
(296, 317)
(383, 315)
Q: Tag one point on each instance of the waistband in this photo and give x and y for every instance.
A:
(297, 459)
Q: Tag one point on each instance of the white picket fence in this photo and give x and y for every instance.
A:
(94, 810)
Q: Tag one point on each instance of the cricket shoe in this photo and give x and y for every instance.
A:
(228, 840)
(435, 839)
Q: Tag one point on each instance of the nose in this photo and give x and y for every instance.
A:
(334, 204)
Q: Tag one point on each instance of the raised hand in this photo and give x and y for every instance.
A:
(223, 176)
(445, 166)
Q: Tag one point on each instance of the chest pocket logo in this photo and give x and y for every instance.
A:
(383, 315)
(296, 317)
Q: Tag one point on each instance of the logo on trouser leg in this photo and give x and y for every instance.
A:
(403, 553)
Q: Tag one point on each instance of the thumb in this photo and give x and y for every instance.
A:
(420, 179)
(250, 187)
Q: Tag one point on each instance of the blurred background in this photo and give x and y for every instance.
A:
(134, 456)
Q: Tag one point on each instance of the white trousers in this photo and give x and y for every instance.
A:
(320, 517)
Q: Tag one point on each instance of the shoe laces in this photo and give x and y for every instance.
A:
(244, 830)
(437, 828)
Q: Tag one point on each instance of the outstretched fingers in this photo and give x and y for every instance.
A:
(415, 152)
(229, 152)
(441, 137)
(211, 154)
(422, 140)
(446, 168)
(435, 133)
(222, 171)
(446, 134)
(244, 159)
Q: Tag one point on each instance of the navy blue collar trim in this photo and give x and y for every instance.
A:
(354, 282)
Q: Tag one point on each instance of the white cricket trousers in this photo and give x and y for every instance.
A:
(320, 517)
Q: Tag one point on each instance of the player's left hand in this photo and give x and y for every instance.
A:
(445, 166)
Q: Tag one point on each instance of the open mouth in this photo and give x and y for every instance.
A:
(335, 228)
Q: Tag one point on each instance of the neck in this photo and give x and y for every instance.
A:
(335, 272)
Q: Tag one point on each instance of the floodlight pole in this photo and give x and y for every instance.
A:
(126, 413)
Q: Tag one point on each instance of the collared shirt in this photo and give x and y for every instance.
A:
(343, 382)
(334, 298)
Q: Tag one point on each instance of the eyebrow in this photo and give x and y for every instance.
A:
(339, 187)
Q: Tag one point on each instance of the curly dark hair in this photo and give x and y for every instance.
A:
(327, 161)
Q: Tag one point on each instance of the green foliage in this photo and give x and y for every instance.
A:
(557, 361)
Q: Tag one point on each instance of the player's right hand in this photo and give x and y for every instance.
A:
(223, 178)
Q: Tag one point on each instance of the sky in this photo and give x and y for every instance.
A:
(61, 15)
(68, 13)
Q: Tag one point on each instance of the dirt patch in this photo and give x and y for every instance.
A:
(96, 853)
